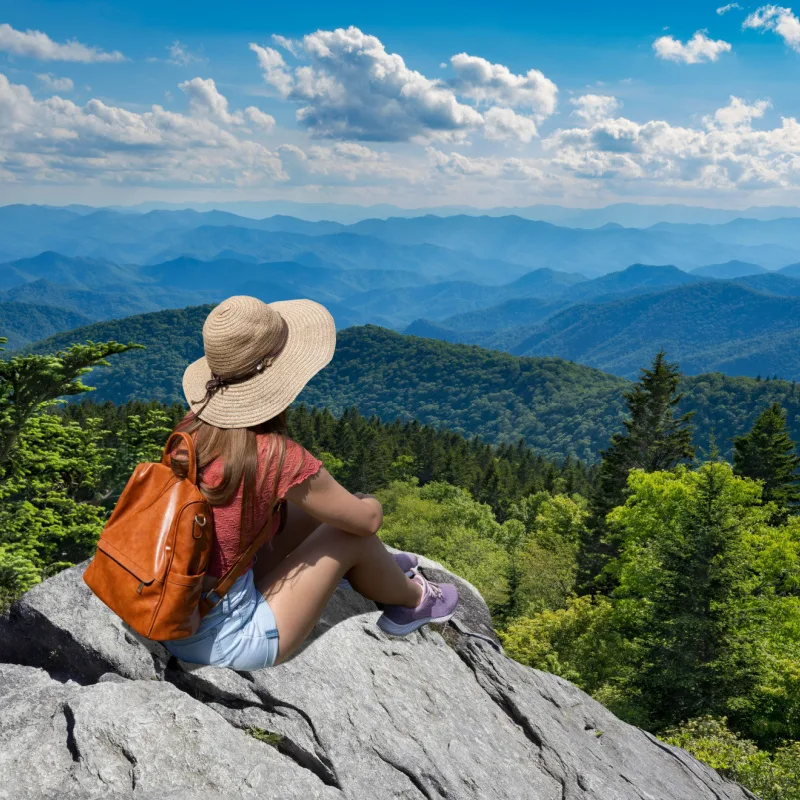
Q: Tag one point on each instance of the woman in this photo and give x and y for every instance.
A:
(258, 358)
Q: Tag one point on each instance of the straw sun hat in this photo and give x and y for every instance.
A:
(258, 357)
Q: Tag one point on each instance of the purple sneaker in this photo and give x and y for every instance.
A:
(408, 562)
(438, 604)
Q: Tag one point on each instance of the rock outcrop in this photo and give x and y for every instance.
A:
(90, 710)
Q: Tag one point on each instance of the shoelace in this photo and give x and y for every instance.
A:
(433, 588)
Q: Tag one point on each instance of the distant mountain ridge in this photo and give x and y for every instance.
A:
(503, 282)
(543, 312)
(689, 322)
(507, 243)
(730, 269)
(631, 215)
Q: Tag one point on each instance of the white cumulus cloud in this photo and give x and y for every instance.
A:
(458, 165)
(696, 50)
(595, 107)
(274, 68)
(505, 123)
(778, 19)
(348, 86)
(729, 7)
(54, 83)
(292, 45)
(495, 84)
(737, 112)
(35, 44)
(57, 141)
(258, 118)
(726, 153)
(204, 98)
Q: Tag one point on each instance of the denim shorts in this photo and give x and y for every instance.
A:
(239, 632)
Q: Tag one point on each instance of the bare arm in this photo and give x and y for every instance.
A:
(322, 497)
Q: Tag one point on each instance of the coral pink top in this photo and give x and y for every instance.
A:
(298, 465)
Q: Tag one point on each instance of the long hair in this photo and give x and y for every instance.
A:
(238, 449)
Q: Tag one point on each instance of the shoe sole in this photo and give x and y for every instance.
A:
(395, 629)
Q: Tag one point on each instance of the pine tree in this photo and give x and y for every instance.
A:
(768, 454)
(692, 573)
(655, 438)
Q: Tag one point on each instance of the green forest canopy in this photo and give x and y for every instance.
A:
(559, 407)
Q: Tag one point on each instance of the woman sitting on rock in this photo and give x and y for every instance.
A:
(258, 357)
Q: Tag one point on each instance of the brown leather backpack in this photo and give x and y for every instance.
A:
(153, 553)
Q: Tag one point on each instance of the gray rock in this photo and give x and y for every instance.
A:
(131, 739)
(354, 714)
(60, 625)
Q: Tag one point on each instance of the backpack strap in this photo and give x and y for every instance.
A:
(237, 570)
(189, 443)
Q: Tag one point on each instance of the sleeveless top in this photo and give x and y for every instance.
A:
(298, 465)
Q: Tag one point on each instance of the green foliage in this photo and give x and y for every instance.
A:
(141, 439)
(28, 383)
(265, 736)
(772, 776)
(366, 454)
(172, 339)
(583, 642)
(446, 524)
(50, 468)
(49, 516)
(559, 407)
(768, 454)
(688, 542)
(545, 561)
(654, 438)
(26, 322)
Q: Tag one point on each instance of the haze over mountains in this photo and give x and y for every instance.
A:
(722, 296)
(630, 215)
(490, 249)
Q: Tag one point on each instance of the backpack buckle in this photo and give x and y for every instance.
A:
(214, 603)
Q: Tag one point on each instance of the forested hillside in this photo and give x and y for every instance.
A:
(24, 323)
(691, 322)
(558, 407)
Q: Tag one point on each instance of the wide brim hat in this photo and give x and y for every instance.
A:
(258, 357)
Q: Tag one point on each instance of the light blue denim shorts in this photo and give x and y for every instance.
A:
(239, 632)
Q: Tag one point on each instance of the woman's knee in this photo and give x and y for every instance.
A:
(345, 542)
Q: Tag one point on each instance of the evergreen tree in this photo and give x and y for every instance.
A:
(655, 438)
(768, 454)
(689, 564)
(29, 383)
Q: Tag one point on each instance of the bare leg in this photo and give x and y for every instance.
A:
(298, 588)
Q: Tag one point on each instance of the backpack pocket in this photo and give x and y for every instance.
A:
(128, 589)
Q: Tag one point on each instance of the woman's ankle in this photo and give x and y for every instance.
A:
(418, 593)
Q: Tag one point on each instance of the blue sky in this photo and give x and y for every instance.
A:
(417, 104)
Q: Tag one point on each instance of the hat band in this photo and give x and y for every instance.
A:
(218, 382)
